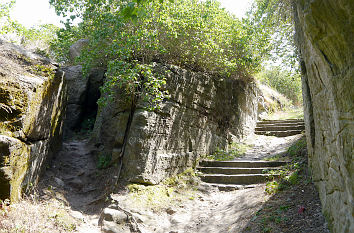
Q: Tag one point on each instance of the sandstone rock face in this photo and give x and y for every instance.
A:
(325, 32)
(32, 99)
(83, 93)
(203, 113)
(77, 89)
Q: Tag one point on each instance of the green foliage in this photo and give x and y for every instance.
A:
(60, 45)
(6, 24)
(283, 81)
(129, 36)
(103, 161)
(39, 36)
(189, 33)
(172, 191)
(297, 147)
(288, 113)
(182, 180)
(273, 24)
(271, 187)
(138, 80)
(43, 70)
(291, 173)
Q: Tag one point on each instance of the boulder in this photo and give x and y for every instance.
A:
(32, 100)
(325, 33)
(95, 78)
(77, 92)
(76, 48)
(204, 112)
(77, 84)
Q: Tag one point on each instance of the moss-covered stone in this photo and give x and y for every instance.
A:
(32, 98)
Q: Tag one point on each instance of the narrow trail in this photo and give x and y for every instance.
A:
(73, 179)
(263, 147)
(211, 211)
(214, 211)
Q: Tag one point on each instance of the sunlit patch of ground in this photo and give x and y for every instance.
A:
(31, 215)
(292, 113)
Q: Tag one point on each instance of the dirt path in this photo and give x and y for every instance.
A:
(76, 182)
(211, 211)
(247, 210)
(263, 147)
(74, 179)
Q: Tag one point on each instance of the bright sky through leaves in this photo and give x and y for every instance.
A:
(34, 12)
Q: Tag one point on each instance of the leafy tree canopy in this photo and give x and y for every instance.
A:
(196, 35)
(274, 21)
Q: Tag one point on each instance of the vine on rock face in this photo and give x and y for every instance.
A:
(137, 80)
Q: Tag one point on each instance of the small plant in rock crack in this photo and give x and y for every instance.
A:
(103, 161)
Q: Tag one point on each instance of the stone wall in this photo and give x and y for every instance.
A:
(32, 99)
(203, 113)
(325, 32)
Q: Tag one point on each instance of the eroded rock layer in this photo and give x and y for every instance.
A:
(325, 32)
(203, 113)
(32, 98)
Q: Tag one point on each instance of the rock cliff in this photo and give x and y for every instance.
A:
(325, 32)
(83, 93)
(203, 113)
(32, 99)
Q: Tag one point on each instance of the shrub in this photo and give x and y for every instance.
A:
(197, 35)
(103, 161)
(285, 82)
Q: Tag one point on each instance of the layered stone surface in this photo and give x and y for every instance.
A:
(325, 32)
(32, 100)
(203, 113)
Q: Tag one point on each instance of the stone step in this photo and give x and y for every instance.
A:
(280, 128)
(280, 125)
(242, 163)
(241, 179)
(281, 121)
(231, 187)
(279, 133)
(234, 170)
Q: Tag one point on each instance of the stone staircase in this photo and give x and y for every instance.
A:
(232, 175)
(280, 128)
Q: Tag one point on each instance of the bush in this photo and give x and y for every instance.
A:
(285, 82)
(197, 35)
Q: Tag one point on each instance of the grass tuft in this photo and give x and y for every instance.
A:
(29, 215)
(234, 150)
(171, 192)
